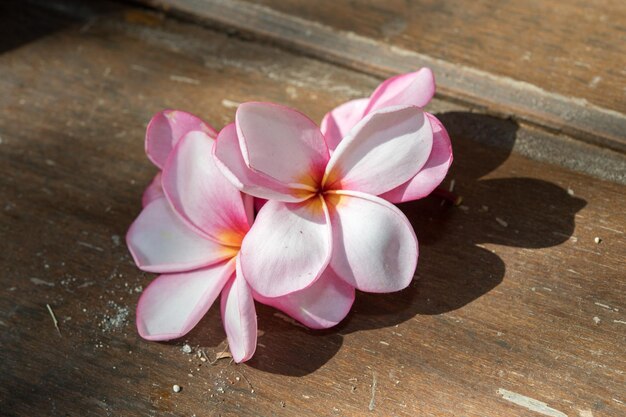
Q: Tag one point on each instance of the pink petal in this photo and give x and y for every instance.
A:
(160, 241)
(282, 143)
(374, 246)
(415, 88)
(385, 149)
(165, 130)
(288, 247)
(174, 303)
(433, 172)
(258, 204)
(201, 194)
(153, 191)
(320, 306)
(337, 123)
(230, 161)
(249, 203)
(239, 317)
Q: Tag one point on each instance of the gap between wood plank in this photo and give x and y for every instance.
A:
(498, 95)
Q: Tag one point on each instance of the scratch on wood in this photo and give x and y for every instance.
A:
(54, 319)
(182, 79)
(246, 379)
(606, 306)
(530, 403)
(138, 68)
(612, 230)
(587, 250)
(373, 399)
(90, 246)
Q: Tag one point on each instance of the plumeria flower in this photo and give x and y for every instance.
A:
(324, 218)
(191, 234)
(415, 88)
(190, 231)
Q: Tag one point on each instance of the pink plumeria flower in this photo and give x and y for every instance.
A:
(164, 131)
(191, 234)
(415, 88)
(324, 219)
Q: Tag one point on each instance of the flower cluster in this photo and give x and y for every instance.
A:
(277, 210)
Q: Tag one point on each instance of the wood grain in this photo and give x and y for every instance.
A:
(512, 294)
(505, 93)
(571, 47)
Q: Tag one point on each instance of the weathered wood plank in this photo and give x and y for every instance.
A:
(528, 303)
(548, 82)
(570, 47)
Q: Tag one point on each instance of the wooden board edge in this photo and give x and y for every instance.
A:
(498, 95)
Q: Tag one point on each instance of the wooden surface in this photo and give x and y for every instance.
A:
(572, 47)
(514, 308)
(514, 59)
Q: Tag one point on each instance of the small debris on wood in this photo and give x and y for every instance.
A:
(203, 356)
(598, 240)
(54, 319)
(176, 388)
(570, 191)
(186, 348)
(230, 104)
(501, 222)
(38, 281)
(222, 355)
(353, 382)
(596, 320)
(117, 320)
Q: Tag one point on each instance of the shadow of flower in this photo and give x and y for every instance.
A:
(454, 268)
